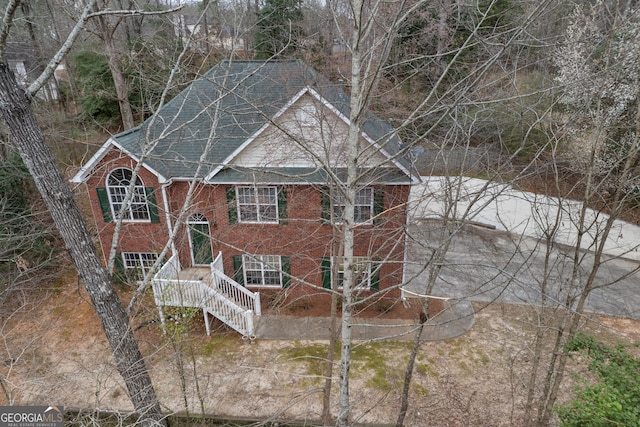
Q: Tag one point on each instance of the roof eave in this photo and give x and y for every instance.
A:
(82, 175)
(85, 170)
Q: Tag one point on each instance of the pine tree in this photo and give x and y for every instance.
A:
(279, 32)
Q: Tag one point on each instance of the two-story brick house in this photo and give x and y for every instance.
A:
(261, 145)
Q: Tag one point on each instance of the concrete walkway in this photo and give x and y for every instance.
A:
(454, 320)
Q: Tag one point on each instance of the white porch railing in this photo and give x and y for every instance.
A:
(232, 290)
(169, 270)
(168, 290)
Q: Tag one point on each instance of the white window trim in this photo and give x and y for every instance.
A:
(357, 260)
(271, 267)
(134, 261)
(257, 205)
(338, 202)
(128, 217)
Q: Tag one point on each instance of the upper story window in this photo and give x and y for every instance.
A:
(363, 206)
(118, 183)
(257, 204)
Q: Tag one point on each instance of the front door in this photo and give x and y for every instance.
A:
(200, 239)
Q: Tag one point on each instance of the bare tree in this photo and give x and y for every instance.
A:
(370, 46)
(29, 141)
(598, 70)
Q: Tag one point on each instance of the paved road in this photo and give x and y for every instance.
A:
(487, 265)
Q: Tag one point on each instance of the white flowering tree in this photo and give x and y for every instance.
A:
(598, 68)
(599, 71)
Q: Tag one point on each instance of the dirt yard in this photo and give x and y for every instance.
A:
(54, 352)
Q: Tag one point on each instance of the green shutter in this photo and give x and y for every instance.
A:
(375, 275)
(378, 205)
(286, 271)
(238, 273)
(325, 203)
(103, 198)
(231, 205)
(120, 275)
(325, 267)
(282, 205)
(153, 206)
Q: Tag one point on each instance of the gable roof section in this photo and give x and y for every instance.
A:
(229, 105)
(86, 170)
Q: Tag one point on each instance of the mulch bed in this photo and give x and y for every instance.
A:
(320, 306)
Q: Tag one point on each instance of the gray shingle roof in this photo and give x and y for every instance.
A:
(228, 104)
(238, 175)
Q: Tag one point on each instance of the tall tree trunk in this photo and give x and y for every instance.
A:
(404, 400)
(28, 139)
(435, 265)
(348, 226)
(333, 330)
(107, 33)
(331, 355)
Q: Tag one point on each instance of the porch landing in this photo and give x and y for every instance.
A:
(196, 273)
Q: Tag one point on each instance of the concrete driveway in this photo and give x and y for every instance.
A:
(489, 265)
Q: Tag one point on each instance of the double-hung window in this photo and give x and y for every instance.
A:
(118, 186)
(257, 204)
(361, 272)
(138, 264)
(262, 270)
(366, 272)
(363, 206)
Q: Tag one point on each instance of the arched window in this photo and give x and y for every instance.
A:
(118, 183)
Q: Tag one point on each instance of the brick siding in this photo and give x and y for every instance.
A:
(305, 238)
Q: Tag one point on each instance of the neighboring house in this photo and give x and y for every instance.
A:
(261, 140)
(203, 38)
(23, 60)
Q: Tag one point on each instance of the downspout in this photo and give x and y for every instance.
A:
(413, 180)
(404, 255)
(168, 218)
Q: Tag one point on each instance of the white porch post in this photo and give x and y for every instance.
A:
(206, 321)
(162, 322)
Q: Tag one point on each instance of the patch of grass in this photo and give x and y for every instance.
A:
(463, 366)
(219, 345)
(372, 357)
(427, 369)
(484, 359)
(59, 310)
(369, 359)
(314, 355)
(379, 381)
(455, 347)
(420, 391)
